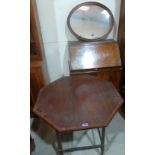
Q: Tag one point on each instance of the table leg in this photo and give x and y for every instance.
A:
(60, 149)
(58, 134)
(102, 141)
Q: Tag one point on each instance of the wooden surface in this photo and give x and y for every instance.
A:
(76, 103)
(113, 75)
(100, 59)
(36, 82)
(121, 32)
(93, 55)
(32, 144)
(36, 48)
(121, 41)
(38, 71)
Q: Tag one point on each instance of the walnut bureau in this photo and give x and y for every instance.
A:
(100, 59)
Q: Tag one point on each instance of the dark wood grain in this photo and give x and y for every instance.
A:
(38, 69)
(36, 82)
(100, 59)
(93, 55)
(77, 103)
(121, 41)
(121, 32)
(36, 47)
(113, 75)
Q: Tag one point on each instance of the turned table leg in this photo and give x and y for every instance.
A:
(59, 136)
(102, 141)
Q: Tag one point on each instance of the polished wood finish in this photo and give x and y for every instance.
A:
(121, 41)
(38, 71)
(121, 32)
(112, 75)
(36, 81)
(36, 47)
(94, 55)
(100, 59)
(78, 103)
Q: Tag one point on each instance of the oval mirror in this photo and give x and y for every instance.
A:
(90, 21)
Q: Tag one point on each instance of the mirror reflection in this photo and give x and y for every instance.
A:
(91, 21)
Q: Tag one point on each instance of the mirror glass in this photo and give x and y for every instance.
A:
(90, 21)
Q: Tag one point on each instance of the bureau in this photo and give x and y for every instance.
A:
(100, 59)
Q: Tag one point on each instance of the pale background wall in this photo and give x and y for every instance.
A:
(53, 15)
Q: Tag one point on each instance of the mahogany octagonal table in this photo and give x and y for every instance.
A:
(78, 103)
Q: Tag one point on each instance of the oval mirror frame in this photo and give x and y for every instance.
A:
(94, 4)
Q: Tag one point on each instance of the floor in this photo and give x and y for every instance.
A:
(44, 137)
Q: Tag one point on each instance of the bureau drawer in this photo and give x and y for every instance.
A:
(114, 76)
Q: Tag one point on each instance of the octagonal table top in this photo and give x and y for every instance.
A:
(77, 103)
